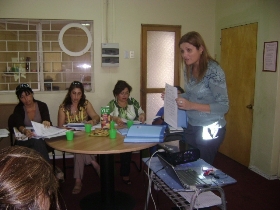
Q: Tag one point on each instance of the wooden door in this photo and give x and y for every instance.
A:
(160, 59)
(238, 59)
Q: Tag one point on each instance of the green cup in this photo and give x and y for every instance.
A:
(129, 123)
(112, 133)
(88, 127)
(69, 135)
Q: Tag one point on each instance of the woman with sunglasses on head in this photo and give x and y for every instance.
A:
(75, 108)
(125, 107)
(29, 109)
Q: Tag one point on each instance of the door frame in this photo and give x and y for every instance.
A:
(177, 59)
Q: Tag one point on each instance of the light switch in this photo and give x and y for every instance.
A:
(126, 54)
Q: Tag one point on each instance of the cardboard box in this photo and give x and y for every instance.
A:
(105, 117)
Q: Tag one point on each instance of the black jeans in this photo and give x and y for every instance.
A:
(37, 144)
(208, 148)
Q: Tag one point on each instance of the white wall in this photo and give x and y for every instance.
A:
(124, 27)
(266, 116)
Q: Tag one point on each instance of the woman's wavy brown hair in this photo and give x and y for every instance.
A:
(27, 180)
(195, 39)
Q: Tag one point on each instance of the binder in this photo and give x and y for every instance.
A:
(145, 134)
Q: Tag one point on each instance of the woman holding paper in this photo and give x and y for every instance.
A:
(75, 108)
(127, 108)
(29, 109)
(206, 98)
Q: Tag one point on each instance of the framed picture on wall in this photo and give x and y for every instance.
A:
(270, 56)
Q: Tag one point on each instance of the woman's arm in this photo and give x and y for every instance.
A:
(95, 118)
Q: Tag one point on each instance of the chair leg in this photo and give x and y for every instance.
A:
(53, 154)
(140, 162)
(64, 164)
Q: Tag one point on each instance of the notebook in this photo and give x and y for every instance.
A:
(188, 178)
(145, 134)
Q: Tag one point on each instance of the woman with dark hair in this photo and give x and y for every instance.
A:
(29, 109)
(206, 99)
(75, 108)
(27, 180)
(127, 108)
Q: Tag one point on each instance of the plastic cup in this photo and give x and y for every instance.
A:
(112, 133)
(112, 124)
(69, 135)
(88, 127)
(129, 123)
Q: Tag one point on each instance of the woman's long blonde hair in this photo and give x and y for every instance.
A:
(195, 39)
(27, 180)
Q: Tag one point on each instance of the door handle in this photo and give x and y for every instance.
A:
(250, 106)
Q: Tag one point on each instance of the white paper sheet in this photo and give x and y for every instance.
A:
(205, 199)
(43, 132)
(4, 133)
(170, 105)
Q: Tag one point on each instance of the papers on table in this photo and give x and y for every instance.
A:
(175, 130)
(80, 126)
(47, 132)
(134, 122)
(123, 131)
(4, 133)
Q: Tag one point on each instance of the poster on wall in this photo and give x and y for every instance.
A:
(270, 56)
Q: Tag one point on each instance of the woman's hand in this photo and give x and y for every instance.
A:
(46, 124)
(118, 121)
(183, 103)
(28, 133)
(142, 118)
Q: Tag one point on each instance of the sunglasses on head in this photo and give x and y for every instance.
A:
(76, 83)
(22, 86)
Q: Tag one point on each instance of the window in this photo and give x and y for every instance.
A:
(46, 54)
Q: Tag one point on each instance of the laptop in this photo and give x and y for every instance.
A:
(188, 178)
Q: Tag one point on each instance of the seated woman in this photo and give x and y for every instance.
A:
(127, 108)
(26, 187)
(29, 109)
(75, 108)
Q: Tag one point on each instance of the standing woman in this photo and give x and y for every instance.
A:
(75, 108)
(29, 109)
(206, 99)
(125, 107)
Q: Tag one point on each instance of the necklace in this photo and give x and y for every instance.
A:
(73, 110)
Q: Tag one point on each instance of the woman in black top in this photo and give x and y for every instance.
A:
(28, 109)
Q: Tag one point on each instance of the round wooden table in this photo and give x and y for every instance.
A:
(82, 143)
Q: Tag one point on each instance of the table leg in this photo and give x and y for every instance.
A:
(107, 198)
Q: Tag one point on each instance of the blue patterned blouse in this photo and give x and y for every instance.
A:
(210, 90)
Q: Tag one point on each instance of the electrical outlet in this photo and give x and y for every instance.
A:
(131, 54)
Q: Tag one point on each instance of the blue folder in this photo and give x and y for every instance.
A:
(145, 134)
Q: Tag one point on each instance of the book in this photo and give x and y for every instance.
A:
(145, 134)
